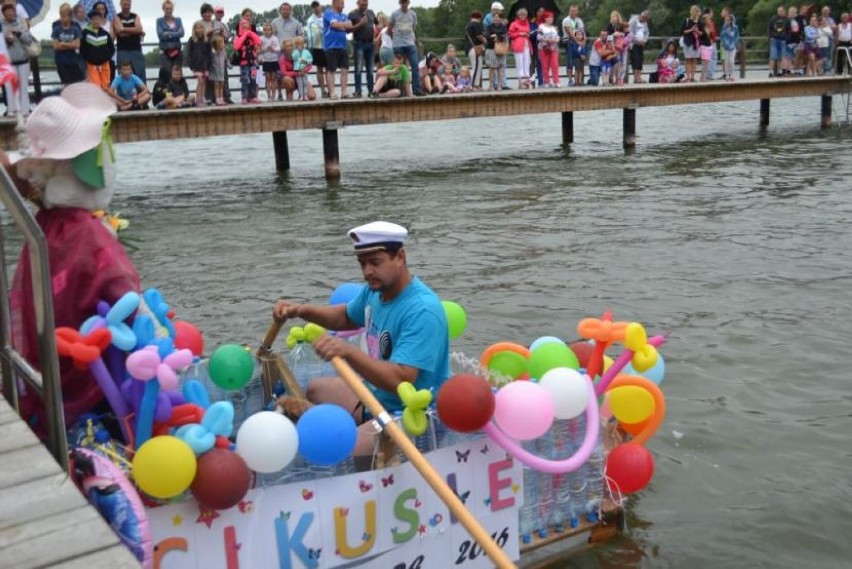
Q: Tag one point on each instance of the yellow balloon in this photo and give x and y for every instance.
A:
(164, 467)
(631, 404)
(607, 362)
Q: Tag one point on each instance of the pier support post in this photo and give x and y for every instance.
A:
(331, 151)
(282, 150)
(630, 127)
(764, 113)
(825, 111)
(567, 128)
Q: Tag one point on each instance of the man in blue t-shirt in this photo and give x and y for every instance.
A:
(405, 326)
(335, 26)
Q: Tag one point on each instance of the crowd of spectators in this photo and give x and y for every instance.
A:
(95, 42)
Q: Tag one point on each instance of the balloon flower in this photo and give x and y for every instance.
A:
(218, 421)
(146, 365)
(159, 309)
(85, 352)
(604, 332)
(122, 336)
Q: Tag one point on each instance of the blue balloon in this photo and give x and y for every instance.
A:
(656, 373)
(345, 292)
(546, 340)
(195, 393)
(327, 434)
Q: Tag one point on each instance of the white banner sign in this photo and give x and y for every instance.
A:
(388, 519)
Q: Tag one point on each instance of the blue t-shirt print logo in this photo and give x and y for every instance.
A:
(385, 345)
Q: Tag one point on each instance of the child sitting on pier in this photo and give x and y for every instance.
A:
(448, 79)
(174, 93)
(464, 83)
(394, 80)
(128, 90)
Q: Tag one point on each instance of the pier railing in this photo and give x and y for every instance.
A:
(12, 365)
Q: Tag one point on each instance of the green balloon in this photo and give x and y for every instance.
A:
(550, 356)
(231, 366)
(510, 364)
(456, 318)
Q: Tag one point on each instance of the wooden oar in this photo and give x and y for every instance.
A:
(470, 523)
(264, 352)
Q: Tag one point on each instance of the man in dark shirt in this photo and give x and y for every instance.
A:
(363, 39)
(779, 32)
(128, 39)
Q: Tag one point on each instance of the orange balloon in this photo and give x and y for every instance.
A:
(634, 428)
(652, 423)
(502, 347)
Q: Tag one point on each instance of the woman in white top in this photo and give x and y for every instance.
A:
(384, 42)
(844, 45)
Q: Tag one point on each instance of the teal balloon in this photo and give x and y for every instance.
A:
(550, 356)
(456, 318)
(231, 366)
(656, 373)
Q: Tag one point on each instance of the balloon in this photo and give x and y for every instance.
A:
(414, 402)
(456, 318)
(218, 420)
(656, 373)
(607, 363)
(630, 467)
(545, 340)
(223, 479)
(550, 356)
(194, 392)
(622, 361)
(656, 419)
(465, 403)
(188, 336)
(523, 410)
(568, 390)
(327, 434)
(631, 404)
(230, 366)
(632, 428)
(583, 351)
(345, 292)
(553, 466)
(510, 364)
(164, 467)
(500, 347)
(122, 337)
(267, 441)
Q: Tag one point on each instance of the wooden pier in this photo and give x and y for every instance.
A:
(331, 116)
(44, 520)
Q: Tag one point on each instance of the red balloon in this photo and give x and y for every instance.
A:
(222, 479)
(583, 350)
(465, 403)
(630, 466)
(188, 337)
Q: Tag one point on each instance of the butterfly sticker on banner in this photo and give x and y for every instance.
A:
(113, 318)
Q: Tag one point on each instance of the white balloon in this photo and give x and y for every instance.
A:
(267, 441)
(569, 390)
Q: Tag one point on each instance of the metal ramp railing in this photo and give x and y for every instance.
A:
(12, 365)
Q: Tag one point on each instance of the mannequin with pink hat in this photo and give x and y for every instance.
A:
(66, 169)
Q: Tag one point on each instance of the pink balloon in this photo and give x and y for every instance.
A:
(142, 364)
(524, 410)
(167, 377)
(166, 371)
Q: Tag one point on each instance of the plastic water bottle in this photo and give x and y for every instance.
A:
(594, 483)
(544, 444)
(302, 362)
(564, 445)
(528, 512)
(577, 492)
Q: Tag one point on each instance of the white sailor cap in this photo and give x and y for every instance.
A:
(377, 236)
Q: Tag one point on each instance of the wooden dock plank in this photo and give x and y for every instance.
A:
(16, 435)
(25, 464)
(116, 557)
(55, 538)
(36, 499)
(270, 117)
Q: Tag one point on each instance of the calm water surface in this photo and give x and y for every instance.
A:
(737, 244)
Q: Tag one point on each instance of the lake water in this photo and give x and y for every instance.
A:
(736, 243)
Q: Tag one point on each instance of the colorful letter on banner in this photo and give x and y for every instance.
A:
(367, 539)
(288, 544)
(496, 484)
(406, 515)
